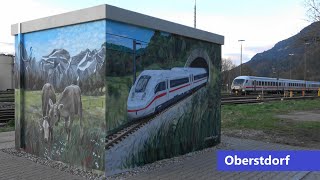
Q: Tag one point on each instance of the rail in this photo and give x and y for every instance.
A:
(6, 107)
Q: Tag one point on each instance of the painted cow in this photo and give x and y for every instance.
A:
(67, 107)
(48, 94)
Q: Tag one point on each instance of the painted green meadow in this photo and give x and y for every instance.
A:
(89, 153)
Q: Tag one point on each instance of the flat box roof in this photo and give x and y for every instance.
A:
(116, 14)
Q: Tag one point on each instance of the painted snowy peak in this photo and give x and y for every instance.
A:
(57, 60)
(64, 68)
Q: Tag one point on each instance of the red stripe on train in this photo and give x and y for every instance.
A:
(157, 97)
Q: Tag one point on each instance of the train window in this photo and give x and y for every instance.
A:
(177, 82)
(246, 81)
(200, 76)
(238, 82)
(160, 87)
(142, 83)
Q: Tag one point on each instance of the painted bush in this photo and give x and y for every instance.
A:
(188, 124)
(72, 60)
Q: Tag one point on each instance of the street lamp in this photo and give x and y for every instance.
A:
(305, 59)
(241, 56)
(290, 63)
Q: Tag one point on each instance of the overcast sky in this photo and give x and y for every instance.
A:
(261, 23)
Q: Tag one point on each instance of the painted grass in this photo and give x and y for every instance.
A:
(263, 117)
(89, 153)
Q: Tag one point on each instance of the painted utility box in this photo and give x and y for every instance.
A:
(109, 89)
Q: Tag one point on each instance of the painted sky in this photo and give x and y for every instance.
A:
(262, 23)
(74, 39)
(123, 34)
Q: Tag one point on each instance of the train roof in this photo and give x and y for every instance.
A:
(188, 69)
(268, 78)
(174, 72)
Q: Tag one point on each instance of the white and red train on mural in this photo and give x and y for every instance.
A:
(155, 90)
(247, 84)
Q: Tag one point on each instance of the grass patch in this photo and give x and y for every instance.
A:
(262, 117)
(6, 129)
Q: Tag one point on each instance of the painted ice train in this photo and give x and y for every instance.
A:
(155, 90)
(247, 84)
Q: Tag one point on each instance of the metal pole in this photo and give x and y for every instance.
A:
(195, 13)
(305, 65)
(241, 57)
(241, 61)
(134, 60)
(290, 64)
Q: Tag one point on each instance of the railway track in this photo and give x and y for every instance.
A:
(6, 107)
(256, 99)
(117, 135)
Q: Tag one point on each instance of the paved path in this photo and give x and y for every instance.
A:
(6, 140)
(13, 167)
(203, 166)
(200, 166)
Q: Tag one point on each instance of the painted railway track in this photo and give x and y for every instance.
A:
(121, 133)
(117, 135)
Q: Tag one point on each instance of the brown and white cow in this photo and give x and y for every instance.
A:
(48, 94)
(67, 107)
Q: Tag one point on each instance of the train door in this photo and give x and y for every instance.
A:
(255, 85)
(161, 95)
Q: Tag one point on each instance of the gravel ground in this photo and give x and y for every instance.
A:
(54, 164)
(92, 175)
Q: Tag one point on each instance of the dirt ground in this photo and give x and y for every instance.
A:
(302, 116)
(310, 139)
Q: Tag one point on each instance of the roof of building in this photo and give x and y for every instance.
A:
(117, 14)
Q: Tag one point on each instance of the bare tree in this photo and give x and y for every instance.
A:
(228, 73)
(313, 10)
(227, 64)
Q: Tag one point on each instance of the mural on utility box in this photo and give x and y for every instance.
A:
(79, 91)
(64, 89)
(174, 104)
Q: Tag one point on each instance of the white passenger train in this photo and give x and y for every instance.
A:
(247, 84)
(155, 90)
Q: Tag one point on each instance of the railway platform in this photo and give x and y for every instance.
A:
(198, 166)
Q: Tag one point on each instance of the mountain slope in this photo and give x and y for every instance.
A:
(304, 45)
